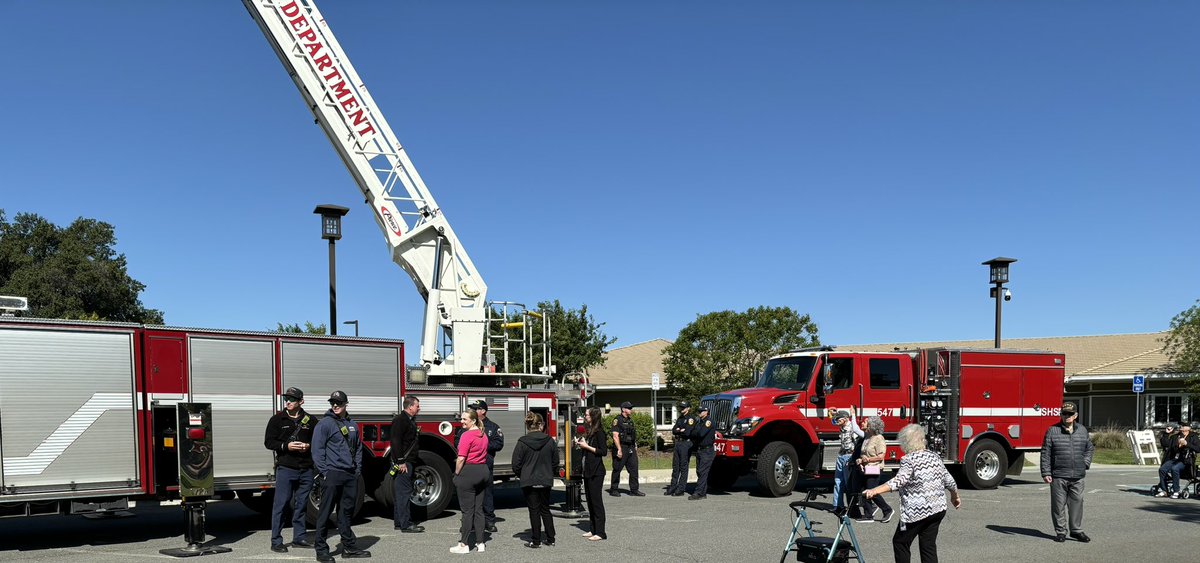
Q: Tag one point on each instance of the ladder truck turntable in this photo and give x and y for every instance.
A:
(97, 399)
(982, 410)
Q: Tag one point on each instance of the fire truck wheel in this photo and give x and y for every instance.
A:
(314, 501)
(432, 488)
(260, 502)
(985, 465)
(777, 468)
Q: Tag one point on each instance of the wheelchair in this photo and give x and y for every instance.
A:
(811, 548)
(1189, 481)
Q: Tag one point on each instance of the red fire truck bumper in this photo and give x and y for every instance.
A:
(729, 447)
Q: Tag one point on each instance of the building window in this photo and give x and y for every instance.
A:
(1168, 408)
(666, 413)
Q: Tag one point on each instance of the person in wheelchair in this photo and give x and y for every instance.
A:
(1166, 438)
(1180, 454)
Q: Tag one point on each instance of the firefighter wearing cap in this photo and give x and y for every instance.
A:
(289, 437)
(624, 451)
(681, 434)
(337, 455)
(495, 438)
(703, 434)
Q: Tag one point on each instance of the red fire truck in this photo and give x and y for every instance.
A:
(88, 417)
(982, 410)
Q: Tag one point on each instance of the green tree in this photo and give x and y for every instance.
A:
(576, 339)
(295, 328)
(726, 349)
(69, 273)
(1182, 345)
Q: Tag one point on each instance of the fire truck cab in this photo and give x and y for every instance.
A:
(982, 410)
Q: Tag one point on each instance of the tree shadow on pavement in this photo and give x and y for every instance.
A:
(1179, 510)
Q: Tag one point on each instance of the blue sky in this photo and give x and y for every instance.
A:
(654, 160)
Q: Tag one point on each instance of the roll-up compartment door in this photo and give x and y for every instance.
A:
(370, 376)
(238, 378)
(66, 399)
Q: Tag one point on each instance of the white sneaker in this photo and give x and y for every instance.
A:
(460, 548)
(1174, 495)
(480, 548)
(1160, 494)
(587, 534)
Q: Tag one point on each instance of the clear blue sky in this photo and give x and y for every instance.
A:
(655, 160)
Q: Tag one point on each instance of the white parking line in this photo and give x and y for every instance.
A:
(1089, 492)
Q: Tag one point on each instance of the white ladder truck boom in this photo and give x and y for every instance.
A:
(420, 239)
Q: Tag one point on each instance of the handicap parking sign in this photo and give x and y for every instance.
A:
(1139, 383)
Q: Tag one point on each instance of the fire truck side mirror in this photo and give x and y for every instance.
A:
(903, 411)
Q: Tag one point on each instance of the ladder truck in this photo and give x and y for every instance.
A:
(458, 320)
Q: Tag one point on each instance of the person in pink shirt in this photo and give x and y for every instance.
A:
(471, 478)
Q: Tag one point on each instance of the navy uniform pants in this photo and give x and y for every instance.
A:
(704, 462)
(338, 489)
(628, 461)
(679, 466)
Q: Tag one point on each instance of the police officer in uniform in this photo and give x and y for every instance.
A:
(625, 451)
(289, 436)
(703, 434)
(682, 432)
(495, 443)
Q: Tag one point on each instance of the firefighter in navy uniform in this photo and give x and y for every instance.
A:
(703, 434)
(625, 451)
(495, 438)
(681, 432)
(289, 436)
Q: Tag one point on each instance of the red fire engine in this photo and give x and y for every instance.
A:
(982, 410)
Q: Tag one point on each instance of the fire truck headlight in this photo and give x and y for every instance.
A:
(744, 425)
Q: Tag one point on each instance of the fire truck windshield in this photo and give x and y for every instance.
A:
(788, 373)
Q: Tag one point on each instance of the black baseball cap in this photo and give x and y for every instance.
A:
(702, 409)
(293, 393)
(685, 405)
(338, 397)
(627, 405)
(479, 405)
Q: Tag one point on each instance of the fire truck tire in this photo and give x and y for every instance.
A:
(986, 464)
(314, 501)
(260, 503)
(433, 487)
(778, 468)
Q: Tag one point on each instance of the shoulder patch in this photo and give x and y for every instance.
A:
(708, 424)
(691, 421)
(499, 432)
(614, 422)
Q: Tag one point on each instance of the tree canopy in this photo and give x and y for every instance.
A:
(726, 349)
(295, 328)
(1182, 345)
(69, 273)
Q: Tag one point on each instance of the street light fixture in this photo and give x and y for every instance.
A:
(355, 323)
(331, 230)
(999, 277)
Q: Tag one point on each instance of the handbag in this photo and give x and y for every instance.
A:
(871, 469)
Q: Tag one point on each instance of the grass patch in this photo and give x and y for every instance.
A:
(646, 459)
(1117, 456)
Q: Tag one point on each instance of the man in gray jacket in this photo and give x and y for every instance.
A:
(1066, 456)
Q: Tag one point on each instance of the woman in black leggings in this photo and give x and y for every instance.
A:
(595, 447)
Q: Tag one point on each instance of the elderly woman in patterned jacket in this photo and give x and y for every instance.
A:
(922, 482)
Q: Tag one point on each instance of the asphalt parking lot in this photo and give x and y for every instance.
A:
(1008, 524)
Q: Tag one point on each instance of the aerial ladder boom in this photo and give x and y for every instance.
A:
(419, 238)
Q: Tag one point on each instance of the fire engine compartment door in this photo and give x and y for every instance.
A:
(66, 399)
(369, 375)
(238, 378)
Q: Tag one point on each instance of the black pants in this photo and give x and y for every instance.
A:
(628, 460)
(704, 461)
(926, 529)
(402, 488)
(679, 466)
(489, 501)
(471, 483)
(594, 486)
(339, 489)
(871, 482)
(538, 499)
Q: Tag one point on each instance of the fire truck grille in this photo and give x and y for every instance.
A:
(720, 411)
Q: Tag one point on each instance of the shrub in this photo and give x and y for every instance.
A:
(1109, 438)
(642, 424)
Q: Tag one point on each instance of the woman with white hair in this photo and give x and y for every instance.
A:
(922, 482)
(871, 463)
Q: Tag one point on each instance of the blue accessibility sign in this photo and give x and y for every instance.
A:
(1139, 384)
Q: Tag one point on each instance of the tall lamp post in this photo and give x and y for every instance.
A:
(355, 323)
(999, 277)
(331, 230)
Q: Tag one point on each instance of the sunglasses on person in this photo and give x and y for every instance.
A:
(291, 399)
(337, 403)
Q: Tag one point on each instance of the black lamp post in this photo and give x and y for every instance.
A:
(355, 323)
(331, 229)
(999, 277)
